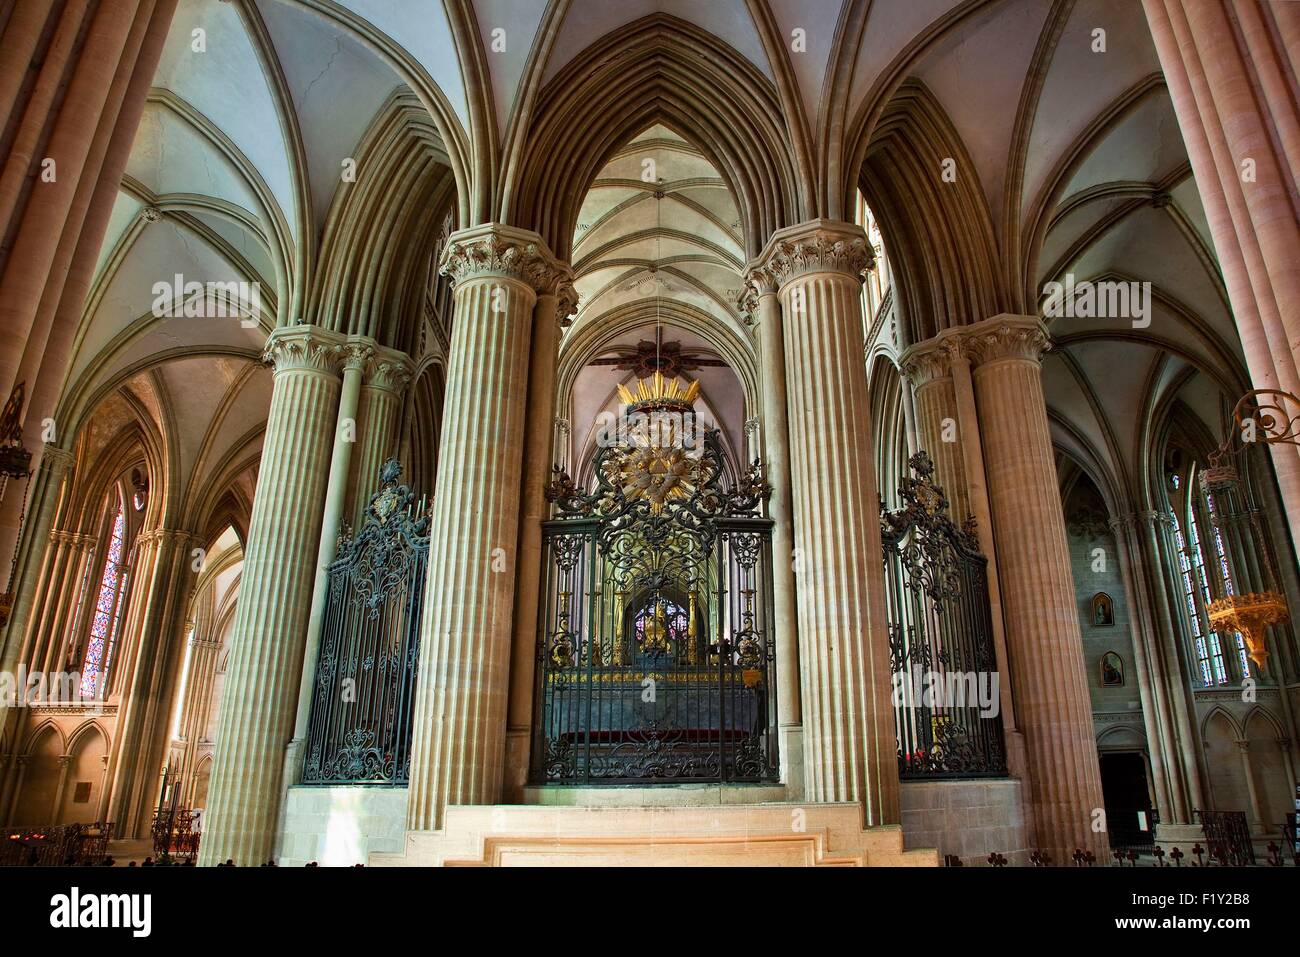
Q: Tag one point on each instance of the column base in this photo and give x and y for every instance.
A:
(969, 819)
(340, 826)
(749, 835)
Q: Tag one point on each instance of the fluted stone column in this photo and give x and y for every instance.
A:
(260, 695)
(17, 638)
(940, 375)
(1230, 66)
(1043, 637)
(764, 306)
(551, 312)
(380, 412)
(355, 356)
(66, 559)
(849, 742)
(934, 395)
(1159, 553)
(458, 752)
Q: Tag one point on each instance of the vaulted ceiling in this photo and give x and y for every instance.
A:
(268, 116)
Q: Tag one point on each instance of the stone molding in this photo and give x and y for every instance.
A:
(305, 348)
(817, 246)
(496, 251)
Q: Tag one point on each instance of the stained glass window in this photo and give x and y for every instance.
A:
(1191, 566)
(107, 611)
(660, 625)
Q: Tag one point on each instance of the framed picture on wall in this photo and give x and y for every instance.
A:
(1103, 610)
(1112, 670)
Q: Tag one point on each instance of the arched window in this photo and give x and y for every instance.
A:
(1209, 652)
(1193, 558)
(107, 612)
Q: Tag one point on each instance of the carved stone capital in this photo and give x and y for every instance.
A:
(495, 251)
(305, 348)
(566, 301)
(390, 371)
(820, 245)
(930, 361)
(1006, 337)
(759, 281)
(357, 354)
(55, 460)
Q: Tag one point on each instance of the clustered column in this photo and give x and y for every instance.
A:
(1166, 700)
(463, 682)
(259, 699)
(1231, 66)
(849, 744)
(927, 368)
(380, 411)
(150, 679)
(1050, 685)
(948, 430)
(74, 78)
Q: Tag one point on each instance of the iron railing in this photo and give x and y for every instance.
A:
(360, 731)
(1227, 837)
(945, 679)
(655, 654)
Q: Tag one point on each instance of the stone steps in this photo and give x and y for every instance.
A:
(753, 835)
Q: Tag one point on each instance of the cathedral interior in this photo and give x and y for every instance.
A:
(789, 432)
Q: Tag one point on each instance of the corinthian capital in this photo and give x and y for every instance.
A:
(1006, 337)
(390, 371)
(504, 252)
(308, 348)
(821, 245)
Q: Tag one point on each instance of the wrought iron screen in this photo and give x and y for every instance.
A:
(945, 680)
(1227, 836)
(360, 730)
(655, 653)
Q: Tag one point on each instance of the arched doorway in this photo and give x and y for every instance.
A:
(1128, 801)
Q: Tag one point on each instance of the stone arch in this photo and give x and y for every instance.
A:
(889, 425)
(1226, 784)
(943, 251)
(40, 777)
(83, 788)
(375, 252)
(658, 69)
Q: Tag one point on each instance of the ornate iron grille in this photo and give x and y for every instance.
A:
(945, 680)
(1227, 836)
(655, 653)
(361, 714)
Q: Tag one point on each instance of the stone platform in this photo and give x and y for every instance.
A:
(714, 835)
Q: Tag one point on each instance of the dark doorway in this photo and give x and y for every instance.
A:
(1129, 817)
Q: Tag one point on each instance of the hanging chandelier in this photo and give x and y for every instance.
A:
(1244, 585)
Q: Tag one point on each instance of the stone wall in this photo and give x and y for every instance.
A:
(340, 826)
(968, 818)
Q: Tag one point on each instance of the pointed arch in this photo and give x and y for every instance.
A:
(939, 233)
(658, 69)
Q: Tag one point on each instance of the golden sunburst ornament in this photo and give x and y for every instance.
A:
(659, 394)
(654, 466)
